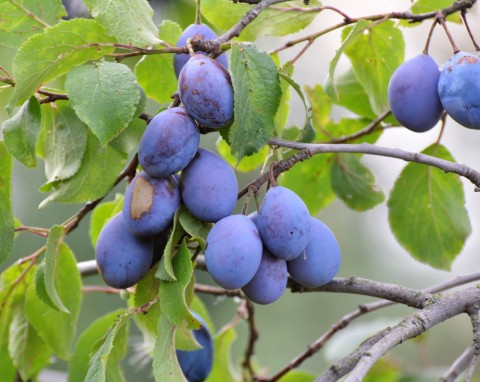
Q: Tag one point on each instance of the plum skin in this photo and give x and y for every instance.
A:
(459, 89)
(169, 143)
(196, 365)
(269, 282)
(122, 258)
(205, 89)
(209, 187)
(202, 32)
(150, 204)
(284, 223)
(413, 95)
(321, 260)
(234, 251)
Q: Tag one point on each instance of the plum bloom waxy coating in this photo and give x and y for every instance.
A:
(150, 204)
(459, 89)
(284, 223)
(234, 251)
(201, 32)
(320, 262)
(122, 258)
(209, 187)
(205, 89)
(413, 95)
(169, 143)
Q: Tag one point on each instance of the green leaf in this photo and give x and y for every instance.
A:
(96, 176)
(359, 27)
(321, 109)
(283, 111)
(375, 54)
(63, 141)
(20, 132)
(273, 21)
(290, 81)
(165, 270)
(197, 229)
(127, 141)
(105, 364)
(427, 212)
(104, 96)
(223, 369)
(27, 350)
(350, 94)
(165, 363)
(21, 19)
(7, 369)
(426, 6)
(311, 181)
(54, 241)
(257, 95)
(155, 72)
(10, 289)
(40, 287)
(78, 367)
(173, 303)
(59, 336)
(130, 21)
(354, 183)
(46, 56)
(6, 214)
(101, 214)
(297, 376)
(246, 164)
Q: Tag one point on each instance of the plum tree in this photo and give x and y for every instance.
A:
(234, 251)
(197, 31)
(123, 259)
(320, 262)
(169, 143)
(150, 204)
(269, 282)
(205, 89)
(458, 93)
(413, 94)
(197, 364)
(209, 187)
(284, 223)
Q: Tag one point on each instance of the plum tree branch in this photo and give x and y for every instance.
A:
(459, 366)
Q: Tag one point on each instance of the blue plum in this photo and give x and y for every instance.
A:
(209, 187)
(199, 31)
(169, 143)
(196, 365)
(459, 89)
(234, 251)
(321, 260)
(413, 95)
(122, 258)
(205, 89)
(269, 282)
(284, 223)
(150, 204)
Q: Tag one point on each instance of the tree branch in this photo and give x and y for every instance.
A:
(459, 366)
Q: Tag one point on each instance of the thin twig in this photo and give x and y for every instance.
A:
(101, 289)
(214, 291)
(474, 313)
(459, 366)
(253, 335)
(472, 37)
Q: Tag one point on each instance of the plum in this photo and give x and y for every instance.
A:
(209, 187)
(413, 95)
(169, 143)
(122, 258)
(459, 89)
(234, 251)
(205, 89)
(150, 204)
(284, 223)
(196, 365)
(199, 31)
(321, 260)
(269, 282)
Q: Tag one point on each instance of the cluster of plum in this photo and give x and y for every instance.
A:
(419, 92)
(257, 252)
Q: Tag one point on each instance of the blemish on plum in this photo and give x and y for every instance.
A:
(142, 198)
(467, 60)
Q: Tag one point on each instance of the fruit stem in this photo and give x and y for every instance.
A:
(190, 47)
(444, 120)
(198, 17)
(441, 19)
(464, 18)
(430, 34)
(272, 179)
